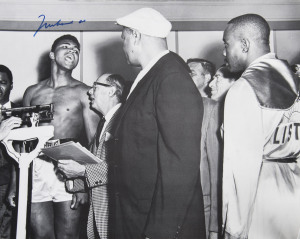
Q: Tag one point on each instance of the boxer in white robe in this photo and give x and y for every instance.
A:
(261, 174)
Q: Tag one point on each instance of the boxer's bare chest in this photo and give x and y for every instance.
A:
(68, 111)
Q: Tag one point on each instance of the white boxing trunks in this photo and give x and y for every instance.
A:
(47, 185)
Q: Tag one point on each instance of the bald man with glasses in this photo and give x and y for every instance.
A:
(105, 96)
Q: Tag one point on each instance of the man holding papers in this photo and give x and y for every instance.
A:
(105, 96)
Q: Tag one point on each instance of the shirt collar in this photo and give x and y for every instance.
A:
(154, 60)
(269, 55)
(111, 112)
(7, 105)
(147, 68)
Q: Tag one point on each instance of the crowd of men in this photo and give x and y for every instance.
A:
(190, 152)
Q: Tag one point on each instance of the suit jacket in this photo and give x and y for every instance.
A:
(98, 181)
(210, 164)
(5, 161)
(158, 191)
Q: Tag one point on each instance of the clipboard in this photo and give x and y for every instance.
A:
(71, 150)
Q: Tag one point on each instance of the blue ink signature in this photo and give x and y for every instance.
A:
(58, 23)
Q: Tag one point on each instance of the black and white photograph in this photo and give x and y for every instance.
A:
(158, 119)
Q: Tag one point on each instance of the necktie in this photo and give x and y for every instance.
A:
(101, 151)
(99, 129)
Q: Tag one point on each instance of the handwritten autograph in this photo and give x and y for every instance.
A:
(48, 25)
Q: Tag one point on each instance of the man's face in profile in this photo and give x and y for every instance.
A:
(220, 85)
(128, 46)
(233, 50)
(99, 94)
(198, 74)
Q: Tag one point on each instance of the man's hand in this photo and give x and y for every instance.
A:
(79, 199)
(70, 168)
(7, 125)
(11, 197)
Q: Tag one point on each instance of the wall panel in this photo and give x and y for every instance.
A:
(205, 44)
(288, 46)
(101, 51)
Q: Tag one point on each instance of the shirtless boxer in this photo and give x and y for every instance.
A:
(55, 212)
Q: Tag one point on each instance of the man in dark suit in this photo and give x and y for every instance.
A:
(210, 166)
(211, 155)
(105, 97)
(6, 85)
(158, 191)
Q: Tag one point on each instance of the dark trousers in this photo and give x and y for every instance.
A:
(5, 214)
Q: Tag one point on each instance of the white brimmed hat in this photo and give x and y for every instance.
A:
(147, 21)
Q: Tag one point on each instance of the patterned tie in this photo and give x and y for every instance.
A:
(99, 129)
(101, 151)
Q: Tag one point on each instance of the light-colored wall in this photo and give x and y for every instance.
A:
(206, 44)
(288, 46)
(101, 52)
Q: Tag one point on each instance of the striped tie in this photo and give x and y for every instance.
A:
(99, 129)
(101, 151)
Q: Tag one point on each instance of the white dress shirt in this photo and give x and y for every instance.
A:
(7, 105)
(108, 116)
(146, 70)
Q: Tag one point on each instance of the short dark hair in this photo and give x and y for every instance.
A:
(117, 81)
(65, 37)
(255, 24)
(6, 70)
(208, 66)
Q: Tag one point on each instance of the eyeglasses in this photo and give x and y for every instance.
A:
(98, 83)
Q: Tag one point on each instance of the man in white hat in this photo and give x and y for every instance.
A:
(158, 192)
